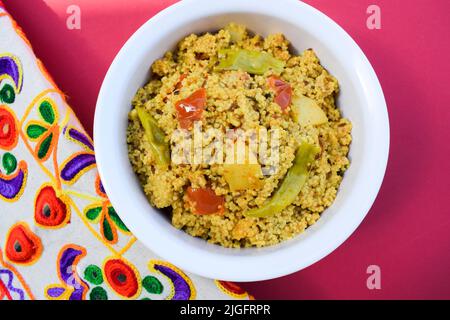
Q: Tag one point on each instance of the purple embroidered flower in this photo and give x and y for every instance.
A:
(182, 285)
(72, 287)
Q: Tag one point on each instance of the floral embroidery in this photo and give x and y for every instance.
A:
(22, 245)
(102, 212)
(11, 70)
(51, 210)
(44, 131)
(231, 289)
(152, 285)
(122, 278)
(98, 293)
(72, 287)
(93, 274)
(109, 220)
(12, 184)
(182, 286)
(9, 133)
(79, 162)
(9, 163)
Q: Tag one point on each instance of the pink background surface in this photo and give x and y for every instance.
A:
(406, 232)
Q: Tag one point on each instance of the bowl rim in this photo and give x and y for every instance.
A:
(222, 265)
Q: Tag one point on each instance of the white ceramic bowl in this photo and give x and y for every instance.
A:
(361, 100)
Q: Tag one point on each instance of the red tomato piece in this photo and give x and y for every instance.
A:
(284, 97)
(283, 92)
(191, 109)
(205, 201)
(276, 83)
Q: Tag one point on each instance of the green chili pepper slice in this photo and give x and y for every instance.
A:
(156, 138)
(254, 62)
(237, 32)
(292, 184)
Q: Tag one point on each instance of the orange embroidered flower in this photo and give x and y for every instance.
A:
(50, 210)
(22, 245)
(9, 133)
(121, 277)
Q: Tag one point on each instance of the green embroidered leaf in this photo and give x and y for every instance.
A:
(152, 285)
(145, 298)
(9, 162)
(98, 293)
(107, 230)
(116, 219)
(93, 274)
(93, 213)
(7, 94)
(34, 131)
(45, 146)
(46, 111)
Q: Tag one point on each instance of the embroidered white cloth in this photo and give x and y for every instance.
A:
(60, 238)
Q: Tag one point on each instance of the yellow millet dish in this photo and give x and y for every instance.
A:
(232, 80)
